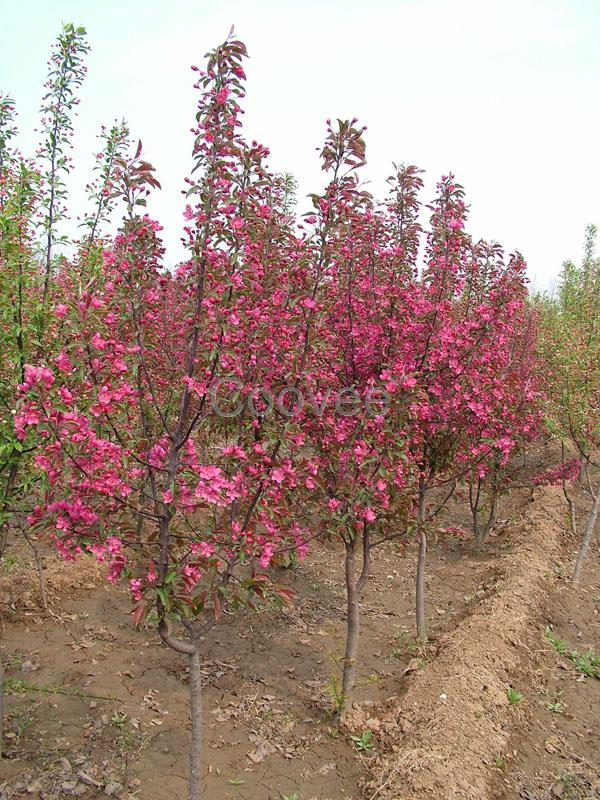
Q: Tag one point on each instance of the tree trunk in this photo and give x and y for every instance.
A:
(482, 533)
(474, 505)
(479, 538)
(587, 536)
(570, 503)
(195, 787)
(40, 570)
(3, 539)
(354, 589)
(352, 626)
(420, 589)
(6, 498)
(420, 582)
(1, 705)
(482, 530)
(191, 648)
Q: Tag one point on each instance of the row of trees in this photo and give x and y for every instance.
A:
(292, 380)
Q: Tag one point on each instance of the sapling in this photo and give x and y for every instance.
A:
(135, 411)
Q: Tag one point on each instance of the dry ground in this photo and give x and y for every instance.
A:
(96, 708)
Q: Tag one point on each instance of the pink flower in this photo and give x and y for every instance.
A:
(209, 471)
(369, 515)
(135, 585)
(113, 545)
(204, 548)
(63, 362)
(278, 475)
(266, 555)
(235, 451)
(222, 95)
(98, 342)
(60, 310)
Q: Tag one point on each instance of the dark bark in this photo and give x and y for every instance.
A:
(482, 529)
(421, 564)
(1, 705)
(354, 589)
(5, 502)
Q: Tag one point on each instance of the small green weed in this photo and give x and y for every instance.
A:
(335, 691)
(558, 644)
(363, 743)
(586, 663)
(514, 698)
(118, 719)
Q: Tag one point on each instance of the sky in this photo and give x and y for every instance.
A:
(502, 94)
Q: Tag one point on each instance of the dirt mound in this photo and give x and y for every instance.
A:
(442, 738)
(20, 580)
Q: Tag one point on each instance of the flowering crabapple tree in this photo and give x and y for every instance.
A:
(515, 413)
(32, 208)
(570, 345)
(458, 349)
(150, 462)
(354, 458)
(33, 204)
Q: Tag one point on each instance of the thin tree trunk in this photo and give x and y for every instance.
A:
(8, 493)
(352, 625)
(421, 563)
(40, 570)
(354, 589)
(479, 537)
(3, 539)
(190, 648)
(195, 787)
(481, 529)
(474, 505)
(1, 705)
(583, 470)
(420, 589)
(568, 498)
(587, 536)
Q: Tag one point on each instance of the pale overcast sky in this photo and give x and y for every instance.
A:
(503, 93)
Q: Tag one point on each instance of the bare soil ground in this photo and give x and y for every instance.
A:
(96, 708)
(556, 752)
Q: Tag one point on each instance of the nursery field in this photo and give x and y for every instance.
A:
(310, 514)
(87, 715)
